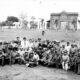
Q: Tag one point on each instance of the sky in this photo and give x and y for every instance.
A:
(37, 8)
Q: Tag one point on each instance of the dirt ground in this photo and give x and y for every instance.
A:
(21, 72)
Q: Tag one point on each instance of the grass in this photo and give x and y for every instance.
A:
(10, 34)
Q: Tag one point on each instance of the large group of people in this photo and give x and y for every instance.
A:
(33, 52)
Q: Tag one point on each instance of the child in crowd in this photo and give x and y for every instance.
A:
(65, 60)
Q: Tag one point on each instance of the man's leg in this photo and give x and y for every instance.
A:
(63, 65)
(66, 66)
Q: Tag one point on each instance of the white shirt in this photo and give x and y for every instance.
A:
(30, 45)
(35, 44)
(24, 44)
(36, 57)
(68, 48)
(65, 58)
(21, 52)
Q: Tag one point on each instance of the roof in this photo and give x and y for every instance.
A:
(66, 13)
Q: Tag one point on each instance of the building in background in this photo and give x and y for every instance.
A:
(63, 21)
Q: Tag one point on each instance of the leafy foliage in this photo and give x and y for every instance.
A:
(12, 19)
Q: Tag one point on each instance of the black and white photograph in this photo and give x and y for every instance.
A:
(39, 39)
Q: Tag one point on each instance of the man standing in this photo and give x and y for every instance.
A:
(65, 60)
(18, 41)
(43, 32)
(25, 43)
(68, 47)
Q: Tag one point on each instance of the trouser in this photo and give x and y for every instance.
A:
(65, 65)
(32, 64)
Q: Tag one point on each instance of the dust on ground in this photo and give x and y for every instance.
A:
(21, 72)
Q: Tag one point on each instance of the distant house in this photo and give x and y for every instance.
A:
(63, 21)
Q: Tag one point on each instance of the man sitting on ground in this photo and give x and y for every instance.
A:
(33, 60)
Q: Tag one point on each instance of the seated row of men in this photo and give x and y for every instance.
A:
(32, 52)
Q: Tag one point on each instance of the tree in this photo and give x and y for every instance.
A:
(23, 16)
(3, 23)
(9, 23)
(33, 18)
(12, 19)
(23, 20)
(33, 23)
(24, 24)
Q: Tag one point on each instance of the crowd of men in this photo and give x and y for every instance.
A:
(34, 52)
